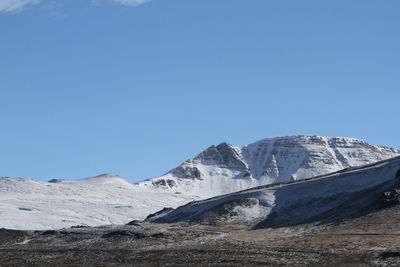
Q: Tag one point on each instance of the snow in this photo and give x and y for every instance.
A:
(250, 213)
(29, 204)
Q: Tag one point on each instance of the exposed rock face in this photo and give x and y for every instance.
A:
(223, 155)
(225, 168)
(390, 198)
(187, 172)
(56, 181)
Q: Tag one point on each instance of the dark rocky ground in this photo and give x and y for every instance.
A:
(371, 240)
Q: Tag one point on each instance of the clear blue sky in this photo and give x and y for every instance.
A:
(91, 87)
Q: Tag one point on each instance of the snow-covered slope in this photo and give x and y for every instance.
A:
(225, 168)
(103, 179)
(345, 193)
(105, 199)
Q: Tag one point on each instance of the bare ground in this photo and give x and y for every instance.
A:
(371, 240)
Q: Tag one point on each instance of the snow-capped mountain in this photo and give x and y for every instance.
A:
(110, 199)
(225, 168)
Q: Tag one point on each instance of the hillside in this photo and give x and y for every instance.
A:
(345, 194)
(105, 199)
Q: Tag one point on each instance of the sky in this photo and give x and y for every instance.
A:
(136, 87)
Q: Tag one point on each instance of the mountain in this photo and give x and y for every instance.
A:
(221, 169)
(105, 199)
(345, 194)
(226, 168)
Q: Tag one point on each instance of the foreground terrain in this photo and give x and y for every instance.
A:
(370, 240)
